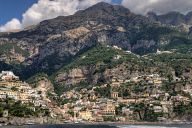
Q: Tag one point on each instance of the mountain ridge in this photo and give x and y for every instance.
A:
(172, 18)
(52, 43)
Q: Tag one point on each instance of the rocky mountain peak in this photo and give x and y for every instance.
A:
(102, 13)
(189, 18)
(104, 9)
(172, 18)
(152, 16)
(189, 14)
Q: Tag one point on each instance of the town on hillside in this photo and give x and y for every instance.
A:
(141, 98)
(19, 99)
(11, 87)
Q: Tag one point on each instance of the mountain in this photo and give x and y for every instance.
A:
(138, 66)
(184, 22)
(188, 18)
(172, 18)
(54, 43)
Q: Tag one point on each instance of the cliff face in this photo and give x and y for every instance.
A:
(54, 43)
(89, 74)
(73, 76)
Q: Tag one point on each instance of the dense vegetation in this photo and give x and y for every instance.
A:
(33, 81)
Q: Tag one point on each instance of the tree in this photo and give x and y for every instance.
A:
(150, 115)
(14, 89)
(1, 111)
(118, 110)
(139, 108)
(71, 113)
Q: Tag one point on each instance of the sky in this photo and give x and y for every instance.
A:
(13, 8)
(18, 14)
(10, 9)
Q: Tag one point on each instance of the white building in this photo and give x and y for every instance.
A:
(8, 75)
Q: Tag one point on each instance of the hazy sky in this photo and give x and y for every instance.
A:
(158, 6)
(18, 14)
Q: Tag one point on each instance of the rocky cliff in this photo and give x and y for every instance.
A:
(53, 43)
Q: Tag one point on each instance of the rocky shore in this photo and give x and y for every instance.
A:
(63, 126)
(47, 122)
(16, 121)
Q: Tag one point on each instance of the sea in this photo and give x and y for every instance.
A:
(101, 126)
(157, 126)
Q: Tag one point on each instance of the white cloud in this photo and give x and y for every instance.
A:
(48, 9)
(14, 24)
(159, 6)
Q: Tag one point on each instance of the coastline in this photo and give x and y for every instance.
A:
(46, 121)
(100, 124)
(139, 123)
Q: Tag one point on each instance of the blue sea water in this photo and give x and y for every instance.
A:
(157, 126)
(62, 126)
(101, 126)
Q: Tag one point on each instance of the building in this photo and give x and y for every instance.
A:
(10, 94)
(11, 87)
(98, 118)
(157, 109)
(9, 84)
(116, 82)
(114, 95)
(127, 111)
(85, 115)
(109, 109)
(167, 106)
(92, 96)
(8, 76)
(24, 96)
(127, 101)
